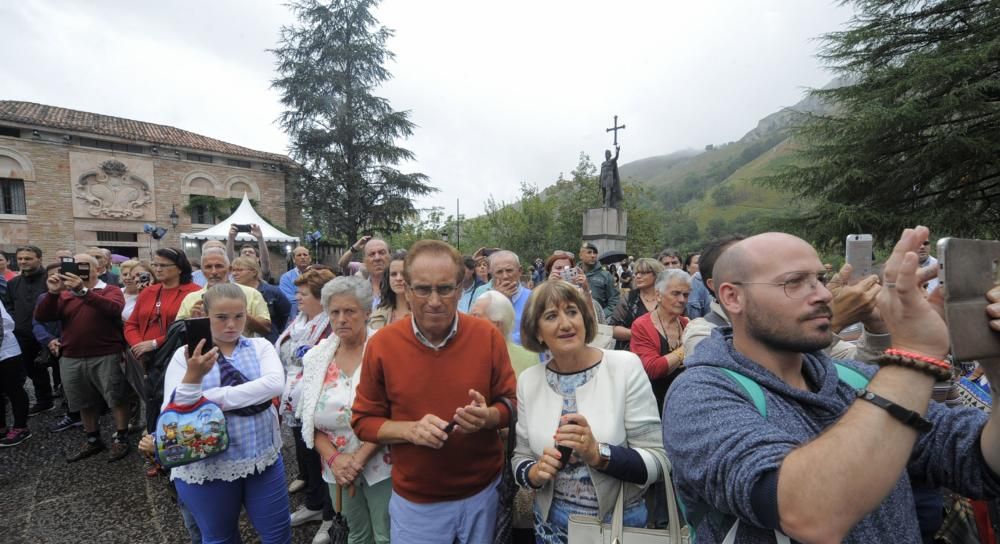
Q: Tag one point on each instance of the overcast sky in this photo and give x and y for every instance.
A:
(502, 92)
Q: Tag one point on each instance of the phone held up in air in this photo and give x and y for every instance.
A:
(858, 254)
(968, 269)
(67, 265)
(196, 330)
(242, 228)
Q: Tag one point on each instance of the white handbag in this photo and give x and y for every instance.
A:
(590, 530)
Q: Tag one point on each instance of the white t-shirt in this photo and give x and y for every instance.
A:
(10, 347)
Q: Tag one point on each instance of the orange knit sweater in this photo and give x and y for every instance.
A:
(403, 380)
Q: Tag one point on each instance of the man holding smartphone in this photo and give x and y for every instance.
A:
(91, 345)
(422, 377)
(827, 454)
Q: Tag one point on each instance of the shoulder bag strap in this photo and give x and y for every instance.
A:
(752, 388)
(850, 376)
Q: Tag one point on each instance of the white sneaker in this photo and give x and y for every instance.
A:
(305, 515)
(296, 486)
(323, 534)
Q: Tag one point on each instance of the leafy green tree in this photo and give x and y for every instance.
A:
(342, 135)
(915, 132)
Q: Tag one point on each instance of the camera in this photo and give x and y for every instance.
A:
(242, 228)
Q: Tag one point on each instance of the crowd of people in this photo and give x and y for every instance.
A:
(399, 376)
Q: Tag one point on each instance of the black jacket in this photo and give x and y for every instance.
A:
(22, 293)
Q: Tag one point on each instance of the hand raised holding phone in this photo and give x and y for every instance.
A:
(199, 364)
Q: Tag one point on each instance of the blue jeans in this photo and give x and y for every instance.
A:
(469, 520)
(216, 506)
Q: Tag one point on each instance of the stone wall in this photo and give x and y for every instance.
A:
(58, 218)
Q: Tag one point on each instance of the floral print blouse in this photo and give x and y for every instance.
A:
(333, 418)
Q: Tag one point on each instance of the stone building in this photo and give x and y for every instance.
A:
(71, 179)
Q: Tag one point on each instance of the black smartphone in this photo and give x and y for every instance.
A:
(196, 330)
(68, 266)
(450, 427)
(242, 228)
(83, 271)
(564, 452)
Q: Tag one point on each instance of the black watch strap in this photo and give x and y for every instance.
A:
(907, 417)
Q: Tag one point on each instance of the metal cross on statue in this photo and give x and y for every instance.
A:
(615, 128)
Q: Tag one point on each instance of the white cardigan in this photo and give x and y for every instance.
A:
(620, 408)
(314, 367)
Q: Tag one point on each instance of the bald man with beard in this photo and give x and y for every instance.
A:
(821, 462)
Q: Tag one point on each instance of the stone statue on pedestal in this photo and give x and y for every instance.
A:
(611, 185)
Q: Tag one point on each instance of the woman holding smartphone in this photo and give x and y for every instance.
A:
(594, 403)
(250, 473)
(136, 275)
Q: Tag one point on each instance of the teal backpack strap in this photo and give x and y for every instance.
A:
(752, 388)
(850, 376)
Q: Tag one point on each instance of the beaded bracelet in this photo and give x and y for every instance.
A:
(939, 372)
(913, 355)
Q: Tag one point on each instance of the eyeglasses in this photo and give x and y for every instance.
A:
(798, 286)
(162, 265)
(425, 291)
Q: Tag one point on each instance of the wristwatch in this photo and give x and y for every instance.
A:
(604, 450)
(81, 292)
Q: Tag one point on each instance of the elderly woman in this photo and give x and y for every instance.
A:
(641, 300)
(563, 260)
(249, 474)
(136, 276)
(497, 309)
(594, 402)
(392, 305)
(305, 331)
(656, 336)
(333, 370)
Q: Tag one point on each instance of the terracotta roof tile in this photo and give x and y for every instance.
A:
(29, 113)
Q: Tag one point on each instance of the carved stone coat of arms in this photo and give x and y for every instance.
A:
(112, 192)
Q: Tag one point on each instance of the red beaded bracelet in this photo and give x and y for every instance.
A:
(913, 355)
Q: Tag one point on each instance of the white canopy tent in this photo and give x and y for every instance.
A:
(244, 215)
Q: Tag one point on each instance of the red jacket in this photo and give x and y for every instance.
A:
(144, 324)
(646, 344)
(91, 324)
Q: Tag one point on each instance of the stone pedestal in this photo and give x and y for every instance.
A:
(606, 228)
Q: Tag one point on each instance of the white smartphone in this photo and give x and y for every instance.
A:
(968, 269)
(858, 254)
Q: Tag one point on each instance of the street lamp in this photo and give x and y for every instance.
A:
(173, 215)
(444, 236)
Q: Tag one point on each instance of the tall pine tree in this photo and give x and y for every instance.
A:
(915, 135)
(344, 137)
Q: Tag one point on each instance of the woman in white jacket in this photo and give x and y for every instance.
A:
(329, 382)
(597, 403)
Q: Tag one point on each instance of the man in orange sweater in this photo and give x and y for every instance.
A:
(440, 371)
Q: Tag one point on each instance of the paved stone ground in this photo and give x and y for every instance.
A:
(44, 500)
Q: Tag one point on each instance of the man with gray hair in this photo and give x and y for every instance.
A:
(215, 265)
(89, 311)
(506, 270)
(375, 257)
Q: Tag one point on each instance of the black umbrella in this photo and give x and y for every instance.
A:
(339, 529)
(612, 256)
